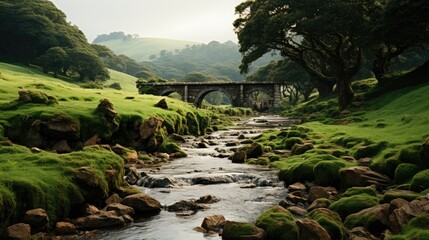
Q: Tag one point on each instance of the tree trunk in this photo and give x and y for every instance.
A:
(325, 88)
(345, 93)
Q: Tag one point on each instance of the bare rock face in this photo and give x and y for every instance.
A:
(91, 141)
(19, 231)
(317, 192)
(65, 228)
(114, 198)
(239, 156)
(361, 176)
(38, 219)
(142, 203)
(162, 104)
(311, 230)
(120, 209)
(150, 127)
(62, 147)
(242, 231)
(89, 209)
(213, 223)
(61, 127)
(100, 220)
(361, 233)
(402, 211)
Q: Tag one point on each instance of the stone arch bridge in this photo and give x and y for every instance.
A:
(238, 92)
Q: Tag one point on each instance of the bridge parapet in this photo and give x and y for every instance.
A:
(194, 92)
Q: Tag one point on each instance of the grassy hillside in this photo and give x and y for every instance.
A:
(141, 48)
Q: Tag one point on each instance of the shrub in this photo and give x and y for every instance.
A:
(116, 86)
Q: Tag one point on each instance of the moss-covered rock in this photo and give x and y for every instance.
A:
(404, 172)
(263, 161)
(239, 230)
(278, 223)
(369, 190)
(411, 154)
(375, 219)
(330, 221)
(417, 228)
(299, 149)
(255, 150)
(348, 205)
(274, 158)
(392, 194)
(327, 172)
(290, 142)
(289, 134)
(369, 150)
(420, 181)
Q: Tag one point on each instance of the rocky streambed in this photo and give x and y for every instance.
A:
(206, 183)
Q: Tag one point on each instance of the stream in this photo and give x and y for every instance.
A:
(245, 191)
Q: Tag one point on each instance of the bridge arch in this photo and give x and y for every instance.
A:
(203, 93)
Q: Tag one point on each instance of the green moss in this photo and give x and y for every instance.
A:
(367, 219)
(274, 158)
(348, 205)
(290, 134)
(169, 147)
(411, 154)
(369, 150)
(290, 142)
(278, 223)
(420, 181)
(405, 172)
(330, 221)
(389, 196)
(263, 161)
(369, 190)
(327, 172)
(234, 230)
(416, 229)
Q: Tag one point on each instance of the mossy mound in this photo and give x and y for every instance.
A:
(237, 230)
(369, 190)
(290, 142)
(49, 181)
(369, 150)
(348, 205)
(416, 229)
(263, 161)
(278, 223)
(404, 172)
(404, 194)
(420, 181)
(374, 219)
(290, 134)
(27, 96)
(327, 172)
(330, 221)
(411, 154)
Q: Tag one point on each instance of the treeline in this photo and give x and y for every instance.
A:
(332, 40)
(37, 32)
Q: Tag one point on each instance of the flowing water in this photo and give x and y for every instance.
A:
(245, 191)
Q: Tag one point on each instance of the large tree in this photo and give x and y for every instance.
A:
(318, 34)
(396, 26)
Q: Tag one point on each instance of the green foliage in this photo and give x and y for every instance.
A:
(420, 181)
(405, 171)
(278, 223)
(116, 86)
(330, 221)
(348, 205)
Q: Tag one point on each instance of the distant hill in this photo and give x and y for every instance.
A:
(141, 48)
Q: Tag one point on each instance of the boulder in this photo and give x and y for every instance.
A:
(361, 176)
(106, 109)
(65, 228)
(202, 145)
(102, 219)
(62, 147)
(311, 230)
(425, 150)
(162, 104)
(114, 198)
(232, 144)
(375, 219)
(150, 127)
(38, 219)
(403, 211)
(92, 141)
(297, 186)
(61, 127)
(297, 211)
(361, 233)
(278, 223)
(131, 175)
(89, 209)
(317, 192)
(208, 199)
(299, 149)
(330, 221)
(185, 205)
(120, 209)
(239, 156)
(296, 197)
(19, 231)
(319, 203)
(142, 203)
(127, 154)
(27, 96)
(256, 150)
(85, 176)
(213, 223)
(242, 231)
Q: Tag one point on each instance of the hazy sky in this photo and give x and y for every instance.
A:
(194, 20)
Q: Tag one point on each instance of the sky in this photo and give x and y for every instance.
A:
(193, 20)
